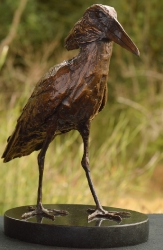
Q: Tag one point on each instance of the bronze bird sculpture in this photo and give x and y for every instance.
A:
(69, 96)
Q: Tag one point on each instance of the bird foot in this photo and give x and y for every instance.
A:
(40, 210)
(111, 215)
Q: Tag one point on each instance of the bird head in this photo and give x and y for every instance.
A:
(99, 22)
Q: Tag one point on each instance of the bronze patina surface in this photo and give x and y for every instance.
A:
(69, 96)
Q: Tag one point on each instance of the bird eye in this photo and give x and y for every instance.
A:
(96, 14)
(99, 14)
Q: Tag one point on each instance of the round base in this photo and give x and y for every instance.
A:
(74, 230)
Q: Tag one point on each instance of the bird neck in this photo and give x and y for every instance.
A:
(97, 55)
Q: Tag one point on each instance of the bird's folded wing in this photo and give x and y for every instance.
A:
(30, 130)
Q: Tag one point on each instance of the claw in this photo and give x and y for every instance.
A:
(112, 215)
(40, 210)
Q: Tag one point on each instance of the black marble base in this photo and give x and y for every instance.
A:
(74, 230)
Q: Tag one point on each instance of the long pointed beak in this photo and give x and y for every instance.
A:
(117, 34)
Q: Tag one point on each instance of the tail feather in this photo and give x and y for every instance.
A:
(20, 144)
(9, 154)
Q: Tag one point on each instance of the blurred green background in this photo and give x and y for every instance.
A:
(126, 144)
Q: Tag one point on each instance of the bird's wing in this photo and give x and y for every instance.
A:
(47, 96)
(31, 127)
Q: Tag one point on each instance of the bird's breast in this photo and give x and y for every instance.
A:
(87, 88)
(84, 101)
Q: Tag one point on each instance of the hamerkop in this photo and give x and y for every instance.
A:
(69, 96)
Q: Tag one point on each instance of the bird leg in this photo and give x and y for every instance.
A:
(84, 130)
(39, 209)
